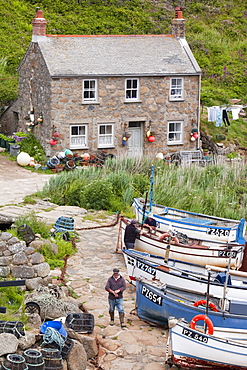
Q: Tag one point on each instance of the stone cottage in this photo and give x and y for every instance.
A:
(126, 94)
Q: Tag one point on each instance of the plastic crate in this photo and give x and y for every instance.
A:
(80, 322)
(67, 348)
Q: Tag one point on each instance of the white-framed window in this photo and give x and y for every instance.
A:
(105, 135)
(132, 89)
(90, 93)
(175, 132)
(78, 136)
(177, 88)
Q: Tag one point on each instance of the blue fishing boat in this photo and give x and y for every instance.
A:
(156, 302)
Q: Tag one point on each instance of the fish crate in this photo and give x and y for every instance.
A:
(68, 345)
(80, 322)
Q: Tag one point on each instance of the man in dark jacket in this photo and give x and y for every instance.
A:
(115, 286)
(130, 234)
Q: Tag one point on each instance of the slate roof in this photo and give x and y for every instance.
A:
(121, 55)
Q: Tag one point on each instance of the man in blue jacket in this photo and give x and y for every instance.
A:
(115, 286)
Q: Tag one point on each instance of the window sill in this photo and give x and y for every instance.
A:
(133, 101)
(178, 99)
(106, 147)
(79, 147)
(90, 102)
(175, 143)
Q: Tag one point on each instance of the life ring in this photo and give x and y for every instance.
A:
(204, 302)
(207, 321)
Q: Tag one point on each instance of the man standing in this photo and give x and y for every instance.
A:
(150, 223)
(130, 234)
(115, 286)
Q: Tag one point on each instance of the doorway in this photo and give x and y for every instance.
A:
(135, 142)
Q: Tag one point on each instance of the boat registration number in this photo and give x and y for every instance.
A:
(191, 334)
(227, 254)
(218, 232)
(142, 266)
(153, 297)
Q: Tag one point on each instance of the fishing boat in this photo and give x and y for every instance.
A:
(213, 253)
(224, 282)
(194, 225)
(191, 348)
(156, 302)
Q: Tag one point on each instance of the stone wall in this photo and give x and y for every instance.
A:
(20, 261)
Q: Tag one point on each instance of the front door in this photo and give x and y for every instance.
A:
(135, 142)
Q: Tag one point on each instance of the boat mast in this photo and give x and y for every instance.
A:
(151, 188)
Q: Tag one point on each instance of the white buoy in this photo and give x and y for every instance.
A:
(23, 159)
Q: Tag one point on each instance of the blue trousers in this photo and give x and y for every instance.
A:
(116, 303)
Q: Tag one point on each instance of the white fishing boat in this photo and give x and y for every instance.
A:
(195, 349)
(194, 225)
(213, 253)
(225, 283)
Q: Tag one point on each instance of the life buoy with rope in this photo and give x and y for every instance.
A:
(204, 302)
(207, 321)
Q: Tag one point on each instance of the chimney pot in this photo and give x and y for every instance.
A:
(39, 25)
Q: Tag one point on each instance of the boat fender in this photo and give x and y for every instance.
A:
(207, 321)
(204, 302)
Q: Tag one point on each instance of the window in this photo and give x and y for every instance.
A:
(78, 136)
(176, 91)
(105, 135)
(174, 133)
(89, 91)
(131, 89)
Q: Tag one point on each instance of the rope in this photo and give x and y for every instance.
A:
(52, 335)
(101, 226)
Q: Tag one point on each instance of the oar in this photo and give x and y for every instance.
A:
(151, 187)
(225, 284)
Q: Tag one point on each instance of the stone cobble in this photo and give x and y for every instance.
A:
(139, 346)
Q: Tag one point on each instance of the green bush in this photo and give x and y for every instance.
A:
(97, 195)
(32, 146)
(38, 227)
(64, 248)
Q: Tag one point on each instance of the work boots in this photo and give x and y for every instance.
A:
(112, 317)
(121, 318)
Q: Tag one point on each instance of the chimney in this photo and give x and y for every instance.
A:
(39, 26)
(178, 23)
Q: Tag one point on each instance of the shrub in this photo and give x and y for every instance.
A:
(97, 195)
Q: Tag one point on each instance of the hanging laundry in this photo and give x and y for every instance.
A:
(218, 117)
(212, 113)
(235, 112)
(225, 118)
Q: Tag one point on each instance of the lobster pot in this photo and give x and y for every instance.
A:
(12, 327)
(14, 362)
(26, 233)
(34, 359)
(80, 322)
(67, 348)
(52, 358)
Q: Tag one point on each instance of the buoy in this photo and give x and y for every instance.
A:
(160, 156)
(53, 142)
(151, 138)
(86, 157)
(23, 159)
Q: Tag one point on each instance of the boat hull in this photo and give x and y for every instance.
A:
(192, 349)
(186, 275)
(157, 302)
(194, 225)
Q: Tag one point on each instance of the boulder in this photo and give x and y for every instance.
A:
(37, 245)
(20, 258)
(8, 343)
(33, 284)
(42, 269)
(77, 358)
(36, 258)
(23, 272)
(16, 247)
(27, 341)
